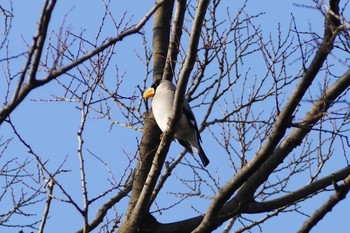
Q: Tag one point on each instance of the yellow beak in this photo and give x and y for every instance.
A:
(148, 93)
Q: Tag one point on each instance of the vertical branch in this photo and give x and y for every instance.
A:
(161, 35)
(143, 202)
(191, 52)
(88, 94)
(139, 203)
(50, 185)
(158, 161)
(8, 15)
(179, 98)
(84, 113)
(176, 34)
(39, 40)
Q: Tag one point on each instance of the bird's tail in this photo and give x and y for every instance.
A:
(198, 148)
(203, 156)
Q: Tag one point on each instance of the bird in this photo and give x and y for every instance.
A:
(187, 134)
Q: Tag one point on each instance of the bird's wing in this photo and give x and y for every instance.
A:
(186, 145)
(190, 117)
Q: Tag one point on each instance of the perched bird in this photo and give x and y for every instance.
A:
(163, 93)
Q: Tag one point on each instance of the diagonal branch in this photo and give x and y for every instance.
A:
(340, 193)
(295, 138)
(289, 143)
(281, 124)
(39, 40)
(300, 194)
(32, 62)
(102, 212)
(37, 47)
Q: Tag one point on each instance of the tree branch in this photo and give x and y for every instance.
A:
(102, 212)
(50, 186)
(298, 195)
(282, 123)
(161, 34)
(340, 193)
(167, 137)
(176, 34)
(31, 63)
(23, 90)
(295, 138)
(145, 175)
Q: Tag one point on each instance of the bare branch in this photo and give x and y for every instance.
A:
(102, 212)
(340, 193)
(50, 186)
(297, 195)
(282, 122)
(175, 40)
(25, 89)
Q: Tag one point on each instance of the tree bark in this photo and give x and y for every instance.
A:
(151, 132)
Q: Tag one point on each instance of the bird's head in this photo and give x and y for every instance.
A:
(150, 92)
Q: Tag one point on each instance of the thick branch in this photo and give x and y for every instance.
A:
(145, 175)
(191, 52)
(158, 161)
(295, 138)
(36, 49)
(39, 40)
(161, 34)
(298, 195)
(291, 142)
(261, 207)
(340, 193)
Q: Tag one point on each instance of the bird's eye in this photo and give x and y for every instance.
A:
(156, 84)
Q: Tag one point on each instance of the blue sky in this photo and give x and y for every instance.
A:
(51, 126)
